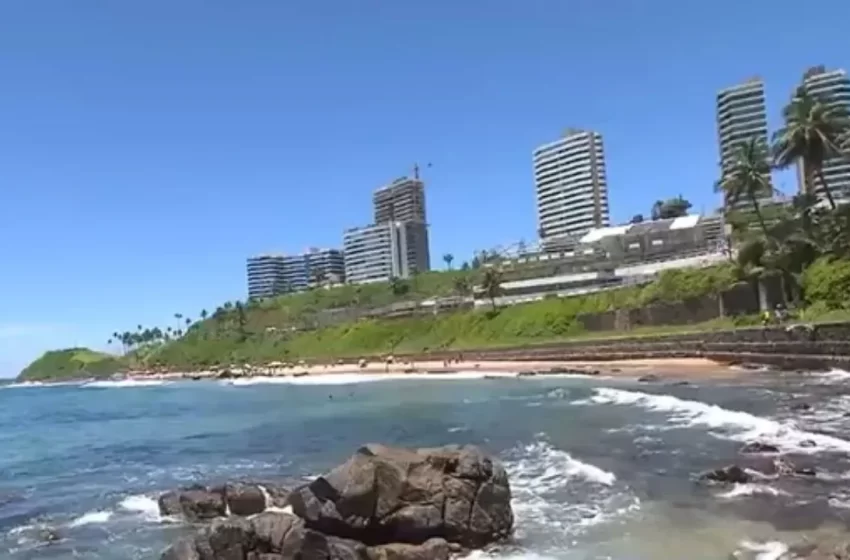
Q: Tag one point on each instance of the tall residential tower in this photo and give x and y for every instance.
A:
(834, 86)
(741, 115)
(572, 190)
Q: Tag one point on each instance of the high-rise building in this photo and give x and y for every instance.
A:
(833, 86)
(403, 200)
(741, 116)
(379, 252)
(572, 189)
(272, 275)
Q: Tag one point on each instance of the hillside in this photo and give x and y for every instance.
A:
(71, 363)
(275, 330)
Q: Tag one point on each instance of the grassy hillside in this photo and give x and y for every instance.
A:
(71, 363)
(270, 331)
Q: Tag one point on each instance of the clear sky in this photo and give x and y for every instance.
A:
(147, 148)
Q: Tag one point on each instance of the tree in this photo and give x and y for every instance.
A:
(204, 314)
(448, 258)
(812, 133)
(398, 286)
(670, 208)
(491, 284)
(748, 177)
(462, 287)
(178, 316)
(637, 218)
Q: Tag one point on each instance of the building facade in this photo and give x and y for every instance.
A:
(741, 115)
(834, 86)
(571, 185)
(403, 200)
(380, 252)
(273, 275)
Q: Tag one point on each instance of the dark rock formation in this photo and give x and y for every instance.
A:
(200, 503)
(382, 504)
(388, 495)
(651, 378)
(730, 474)
(758, 447)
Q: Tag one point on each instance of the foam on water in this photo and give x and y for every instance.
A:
(124, 383)
(833, 376)
(145, 506)
(92, 518)
(773, 550)
(748, 490)
(729, 424)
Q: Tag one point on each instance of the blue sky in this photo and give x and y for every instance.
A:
(146, 148)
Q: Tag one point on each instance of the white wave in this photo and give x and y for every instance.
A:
(733, 424)
(456, 429)
(92, 518)
(145, 506)
(833, 376)
(741, 490)
(546, 468)
(773, 550)
(352, 378)
(124, 383)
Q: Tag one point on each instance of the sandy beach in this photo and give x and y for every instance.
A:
(672, 368)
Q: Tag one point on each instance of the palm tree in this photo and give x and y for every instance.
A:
(814, 128)
(448, 258)
(748, 177)
(491, 284)
(204, 314)
(178, 316)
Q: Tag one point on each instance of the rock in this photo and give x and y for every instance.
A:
(805, 471)
(801, 406)
(432, 549)
(389, 495)
(244, 499)
(808, 443)
(195, 503)
(758, 447)
(199, 503)
(526, 373)
(651, 378)
(731, 474)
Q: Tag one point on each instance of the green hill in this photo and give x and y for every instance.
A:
(71, 363)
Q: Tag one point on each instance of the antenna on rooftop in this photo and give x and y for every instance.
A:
(416, 170)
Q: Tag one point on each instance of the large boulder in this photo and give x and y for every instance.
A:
(201, 503)
(268, 536)
(387, 495)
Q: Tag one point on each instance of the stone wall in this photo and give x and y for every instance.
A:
(800, 347)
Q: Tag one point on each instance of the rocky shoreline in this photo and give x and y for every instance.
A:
(382, 504)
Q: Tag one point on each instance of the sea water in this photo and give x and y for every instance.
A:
(599, 468)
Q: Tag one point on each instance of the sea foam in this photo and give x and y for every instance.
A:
(124, 383)
(730, 424)
(352, 378)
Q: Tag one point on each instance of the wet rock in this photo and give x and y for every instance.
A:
(200, 503)
(651, 378)
(800, 406)
(195, 503)
(808, 443)
(758, 447)
(527, 373)
(390, 495)
(805, 471)
(49, 535)
(732, 474)
(432, 549)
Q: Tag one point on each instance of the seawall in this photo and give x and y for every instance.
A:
(821, 346)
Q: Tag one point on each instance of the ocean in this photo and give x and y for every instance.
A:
(600, 468)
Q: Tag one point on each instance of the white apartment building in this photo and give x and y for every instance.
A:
(833, 85)
(379, 252)
(572, 189)
(741, 115)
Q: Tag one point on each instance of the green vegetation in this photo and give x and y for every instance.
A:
(805, 243)
(71, 363)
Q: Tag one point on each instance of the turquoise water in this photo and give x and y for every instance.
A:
(600, 468)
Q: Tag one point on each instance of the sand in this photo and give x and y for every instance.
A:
(669, 368)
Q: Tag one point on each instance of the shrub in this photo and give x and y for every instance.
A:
(827, 283)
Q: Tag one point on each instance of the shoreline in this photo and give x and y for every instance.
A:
(667, 368)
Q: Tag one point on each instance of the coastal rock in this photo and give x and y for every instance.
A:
(801, 406)
(390, 495)
(730, 474)
(758, 447)
(432, 549)
(650, 378)
(200, 503)
(268, 536)
(195, 503)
